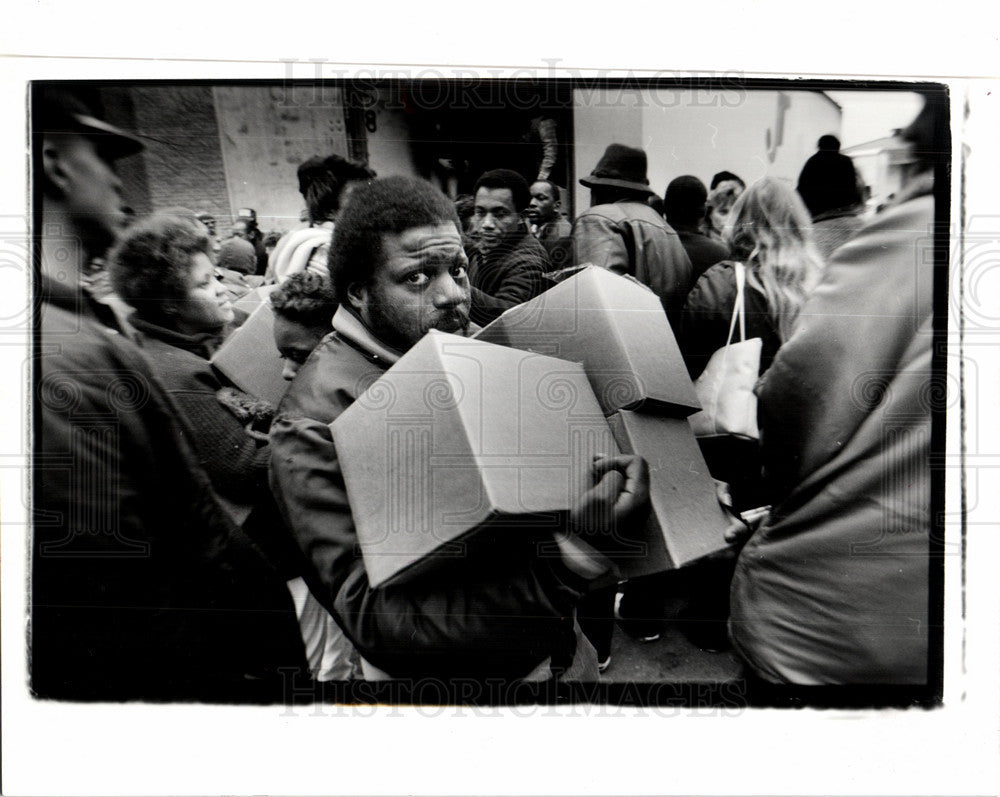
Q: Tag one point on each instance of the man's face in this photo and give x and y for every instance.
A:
(496, 219)
(544, 207)
(421, 285)
(295, 342)
(240, 230)
(91, 192)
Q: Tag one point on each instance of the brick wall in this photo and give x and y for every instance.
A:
(120, 110)
(182, 165)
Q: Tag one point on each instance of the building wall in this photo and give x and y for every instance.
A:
(183, 162)
(119, 110)
(602, 117)
(224, 148)
(752, 133)
(219, 149)
(264, 134)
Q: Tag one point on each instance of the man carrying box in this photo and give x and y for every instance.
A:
(399, 270)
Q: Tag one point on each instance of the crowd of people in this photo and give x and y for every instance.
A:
(192, 541)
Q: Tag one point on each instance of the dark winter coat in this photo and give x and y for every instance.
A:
(708, 312)
(236, 460)
(506, 277)
(141, 586)
(703, 251)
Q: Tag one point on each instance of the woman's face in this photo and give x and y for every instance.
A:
(725, 195)
(719, 218)
(206, 307)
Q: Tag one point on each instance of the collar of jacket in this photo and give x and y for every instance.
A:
(351, 329)
(204, 344)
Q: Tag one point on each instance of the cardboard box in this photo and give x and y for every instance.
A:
(249, 359)
(617, 329)
(250, 301)
(460, 442)
(686, 521)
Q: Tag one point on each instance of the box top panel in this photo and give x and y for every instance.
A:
(617, 329)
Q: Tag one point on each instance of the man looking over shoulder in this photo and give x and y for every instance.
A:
(507, 264)
(399, 270)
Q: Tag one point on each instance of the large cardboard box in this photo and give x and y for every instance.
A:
(460, 442)
(249, 359)
(617, 329)
(686, 522)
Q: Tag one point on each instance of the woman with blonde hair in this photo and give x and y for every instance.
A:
(769, 232)
(770, 237)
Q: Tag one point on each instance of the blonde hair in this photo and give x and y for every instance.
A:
(770, 231)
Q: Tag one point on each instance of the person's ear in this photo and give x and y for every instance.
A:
(357, 295)
(54, 167)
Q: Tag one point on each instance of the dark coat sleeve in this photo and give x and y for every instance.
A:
(705, 320)
(141, 586)
(235, 461)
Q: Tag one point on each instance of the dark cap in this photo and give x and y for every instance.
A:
(62, 112)
(685, 199)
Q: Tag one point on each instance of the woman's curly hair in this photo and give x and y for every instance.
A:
(151, 265)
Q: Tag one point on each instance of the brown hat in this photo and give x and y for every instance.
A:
(620, 167)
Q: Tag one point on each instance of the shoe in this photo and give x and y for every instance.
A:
(640, 631)
(603, 665)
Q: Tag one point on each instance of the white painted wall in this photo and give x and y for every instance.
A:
(264, 135)
(701, 133)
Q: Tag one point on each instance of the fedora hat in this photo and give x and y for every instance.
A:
(620, 167)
